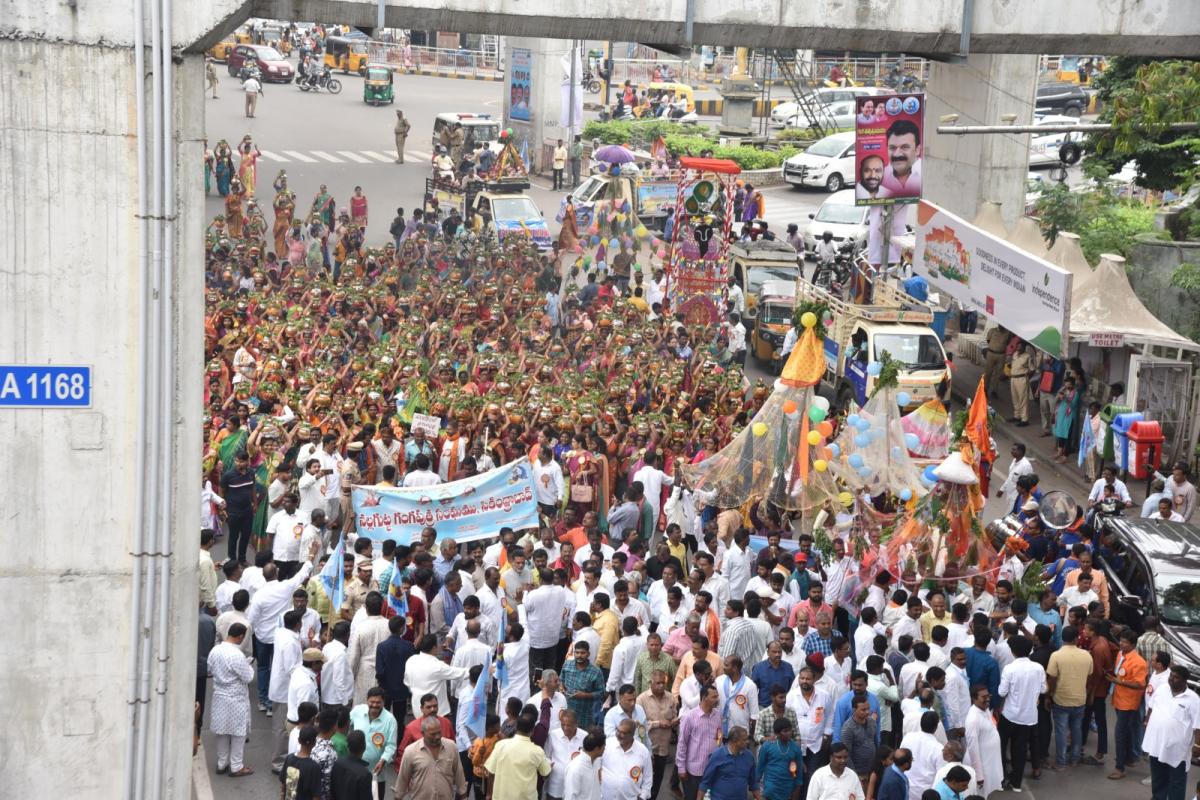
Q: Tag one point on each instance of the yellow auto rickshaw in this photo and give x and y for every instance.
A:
(678, 89)
(348, 55)
(220, 50)
(775, 306)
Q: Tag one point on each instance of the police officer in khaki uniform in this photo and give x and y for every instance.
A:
(355, 593)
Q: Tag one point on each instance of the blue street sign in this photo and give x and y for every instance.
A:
(45, 386)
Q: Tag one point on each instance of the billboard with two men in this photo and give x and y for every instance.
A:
(889, 135)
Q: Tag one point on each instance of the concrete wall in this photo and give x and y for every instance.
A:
(70, 287)
(1115, 27)
(963, 171)
(1150, 266)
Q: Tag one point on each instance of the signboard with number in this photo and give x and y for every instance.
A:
(30, 386)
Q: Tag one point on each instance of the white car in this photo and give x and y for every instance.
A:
(1044, 149)
(839, 216)
(827, 163)
(785, 111)
(841, 115)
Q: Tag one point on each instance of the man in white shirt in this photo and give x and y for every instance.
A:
(1109, 476)
(926, 755)
(1166, 512)
(564, 744)
(310, 625)
(545, 611)
(548, 484)
(736, 566)
(425, 673)
(1170, 731)
(735, 296)
(657, 596)
(302, 687)
(285, 528)
(331, 465)
(285, 658)
(914, 670)
(956, 698)
(626, 767)
(1020, 466)
(836, 573)
(653, 480)
(472, 612)
(420, 474)
(232, 569)
(835, 780)
(737, 339)
(1021, 683)
(625, 655)
(268, 602)
(337, 679)
(312, 486)
(253, 89)
(471, 651)
(979, 600)
(582, 781)
(813, 708)
(627, 709)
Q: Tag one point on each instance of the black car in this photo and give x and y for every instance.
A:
(1061, 98)
(1153, 567)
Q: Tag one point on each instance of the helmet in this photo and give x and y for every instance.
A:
(827, 236)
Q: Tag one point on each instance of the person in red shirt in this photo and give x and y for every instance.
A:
(412, 731)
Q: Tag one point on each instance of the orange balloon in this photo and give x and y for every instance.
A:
(789, 407)
(826, 453)
(825, 429)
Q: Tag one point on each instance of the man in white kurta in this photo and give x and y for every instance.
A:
(337, 678)
(425, 673)
(626, 769)
(982, 742)
(364, 638)
(229, 719)
(926, 755)
(562, 745)
(583, 775)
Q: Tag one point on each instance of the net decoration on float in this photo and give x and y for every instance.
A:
(782, 456)
(928, 425)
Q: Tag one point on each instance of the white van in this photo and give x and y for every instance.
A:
(827, 163)
(839, 216)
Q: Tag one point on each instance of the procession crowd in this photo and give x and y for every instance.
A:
(641, 639)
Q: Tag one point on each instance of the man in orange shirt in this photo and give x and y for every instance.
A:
(700, 652)
(1129, 684)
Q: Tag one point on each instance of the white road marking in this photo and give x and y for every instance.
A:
(384, 157)
(327, 157)
(300, 157)
(355, 157)
(267, 154)
(417, 154)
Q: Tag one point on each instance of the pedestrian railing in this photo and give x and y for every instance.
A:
(434, 60)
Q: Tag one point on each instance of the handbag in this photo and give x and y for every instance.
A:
(1046, 385)
(582, 493)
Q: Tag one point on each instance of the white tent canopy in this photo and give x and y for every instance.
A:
(1067, 254)
(990, 219)
(1106, 303)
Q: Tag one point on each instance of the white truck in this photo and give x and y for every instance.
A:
(894, 323)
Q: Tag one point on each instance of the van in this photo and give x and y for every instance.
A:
(827, 163)
(839, 216)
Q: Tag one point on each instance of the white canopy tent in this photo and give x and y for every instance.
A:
(1067, 254)
(1107, 304)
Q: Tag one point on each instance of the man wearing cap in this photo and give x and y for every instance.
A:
(302, 687)
(356, 589)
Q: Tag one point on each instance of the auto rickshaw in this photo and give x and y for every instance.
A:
(678, 89)
(220, 50)
(377, 85)
(348, 55)
(776, 304)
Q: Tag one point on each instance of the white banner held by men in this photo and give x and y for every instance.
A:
(1027, 295)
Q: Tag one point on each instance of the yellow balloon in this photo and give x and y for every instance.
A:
(820, 465)
(846, 498)
(759, 428)
(808, 319)
(814, 438)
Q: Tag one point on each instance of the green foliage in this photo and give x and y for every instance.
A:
(796, 135)
(1105, 223)
(889, 373)
(818, 308)
(1141, 97)
(1031, 585)
(1187, 277)
(637, 133)
(744, 156)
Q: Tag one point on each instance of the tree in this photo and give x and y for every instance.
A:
(1140, 98)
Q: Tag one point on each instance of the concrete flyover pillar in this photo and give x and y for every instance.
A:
(961, 172)
(71, 281)
(536, 66)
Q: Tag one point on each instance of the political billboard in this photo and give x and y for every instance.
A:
(889, 135)
(1027, 295)
(520, 80)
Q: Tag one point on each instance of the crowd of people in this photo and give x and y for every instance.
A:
(639, 640)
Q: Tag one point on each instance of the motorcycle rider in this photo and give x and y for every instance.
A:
(826, 250)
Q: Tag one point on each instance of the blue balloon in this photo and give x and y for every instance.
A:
(835, 450)
(613, 243)
(929, 474)
(864, 472)
(874, 368)
(906, 495)
(912, 441)
(853, 420)
(863, 424)
(897, 452)
(862, 440)
(903, 398)
(856, 460)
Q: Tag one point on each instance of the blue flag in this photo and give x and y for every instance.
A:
(477, 714)
(501, 667)
(396, 597)
(333, 577)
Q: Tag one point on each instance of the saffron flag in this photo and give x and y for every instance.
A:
(333, 577)
(477, 714)
(976, 429)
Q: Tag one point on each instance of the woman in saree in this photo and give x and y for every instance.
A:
(581, 471)
(285, 209)
(568, 235)
(248, 168)
(266, 446)
(226, 443)
(1066, 409)
(234, 214)
(224, 167)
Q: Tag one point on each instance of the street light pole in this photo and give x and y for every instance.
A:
(379, 20)
(571, 111)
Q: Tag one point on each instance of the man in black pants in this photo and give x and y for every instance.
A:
(1021, 683)
(239, 489)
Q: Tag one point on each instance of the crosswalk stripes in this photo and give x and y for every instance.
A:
(355, 157)
(299, 156)
(417, 154)
(322, 154)
(267, 154)
(386, 157)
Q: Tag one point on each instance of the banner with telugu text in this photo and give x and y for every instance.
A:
(473, 508)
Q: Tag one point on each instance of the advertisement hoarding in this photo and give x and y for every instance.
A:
(889, 133)
(520, 84)
(1027, 295)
